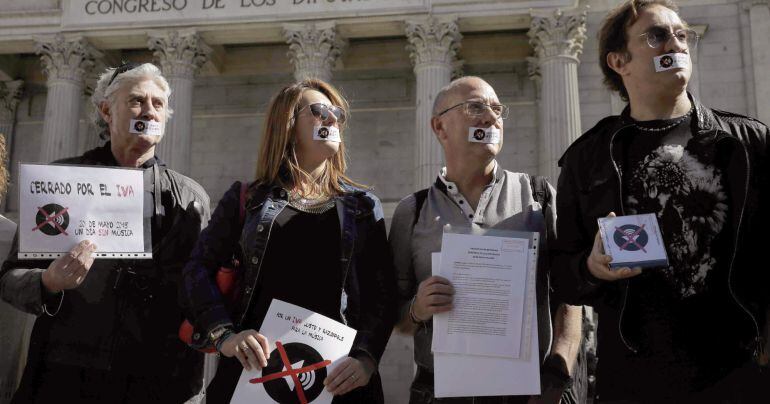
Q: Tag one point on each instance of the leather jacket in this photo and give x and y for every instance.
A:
(125, 314)
(589, 188)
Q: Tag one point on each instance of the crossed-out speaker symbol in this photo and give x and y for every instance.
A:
(294, 374)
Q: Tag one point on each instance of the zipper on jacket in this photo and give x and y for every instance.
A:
(347, 268)
(759, 347)
(622, 213)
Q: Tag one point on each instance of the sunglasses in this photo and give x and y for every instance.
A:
(323, 112)
(122, 69)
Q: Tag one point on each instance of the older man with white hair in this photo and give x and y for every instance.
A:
(111, 338)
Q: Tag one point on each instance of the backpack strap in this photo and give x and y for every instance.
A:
(419, 197)
(540, 190)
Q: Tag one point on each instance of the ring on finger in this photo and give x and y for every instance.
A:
(244, 346)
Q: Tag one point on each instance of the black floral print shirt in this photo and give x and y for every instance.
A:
(677, 314)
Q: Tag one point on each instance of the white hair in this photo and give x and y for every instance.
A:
(105, 91)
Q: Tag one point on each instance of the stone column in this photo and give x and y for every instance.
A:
(180, 55)
(433, 46)
(10, 94)
(65, 63)
(313, 49)
(759, 18)
(557, 39)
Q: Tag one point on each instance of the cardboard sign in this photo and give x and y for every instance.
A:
(61, 205)
(305, 346)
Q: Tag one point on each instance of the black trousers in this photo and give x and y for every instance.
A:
(746, 385)
(52, 383)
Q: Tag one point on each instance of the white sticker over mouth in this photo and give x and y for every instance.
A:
(151, 128)
(671, 61)
(324, 133)
(489, 135)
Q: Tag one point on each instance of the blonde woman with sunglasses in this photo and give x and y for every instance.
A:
(311, 237)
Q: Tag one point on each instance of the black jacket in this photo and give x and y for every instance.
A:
(126, 313)
(589, 188)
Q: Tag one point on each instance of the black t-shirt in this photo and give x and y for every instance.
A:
(680, 317)
(301, 265)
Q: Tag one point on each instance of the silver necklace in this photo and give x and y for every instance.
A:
(667, 127)
(311, 205)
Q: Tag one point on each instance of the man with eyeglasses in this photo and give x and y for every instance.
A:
(473, 191)
(692, 331)
(106, 330)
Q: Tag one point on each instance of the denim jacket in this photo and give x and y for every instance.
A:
(368, 281)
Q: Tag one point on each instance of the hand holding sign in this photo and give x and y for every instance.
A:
(249, 347)
(351, 373)
(434, 295)
(69, 271)
(599, 264)
(306, 347)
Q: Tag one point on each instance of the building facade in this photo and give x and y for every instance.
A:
(226, 58)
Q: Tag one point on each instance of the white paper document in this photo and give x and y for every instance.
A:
(491, 276)
(471, 375)
(490, 376)
(304, 346)
(62, 205)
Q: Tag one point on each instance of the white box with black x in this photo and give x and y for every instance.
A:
(633, 241)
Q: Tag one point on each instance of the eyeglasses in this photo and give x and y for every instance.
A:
(322, 111)
(122, 69)
(657, 36)
(476, 108)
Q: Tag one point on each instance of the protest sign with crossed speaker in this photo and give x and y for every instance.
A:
(61, 205)
(633, 241)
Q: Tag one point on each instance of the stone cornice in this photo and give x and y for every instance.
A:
(179, 53)
(66, 59)
(432, 41)
(313, 49)
(748, 4)
(19, 28)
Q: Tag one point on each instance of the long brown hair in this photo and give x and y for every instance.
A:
(277, 158)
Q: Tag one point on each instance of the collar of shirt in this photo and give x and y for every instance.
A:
(104, 155)
(450, 188)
